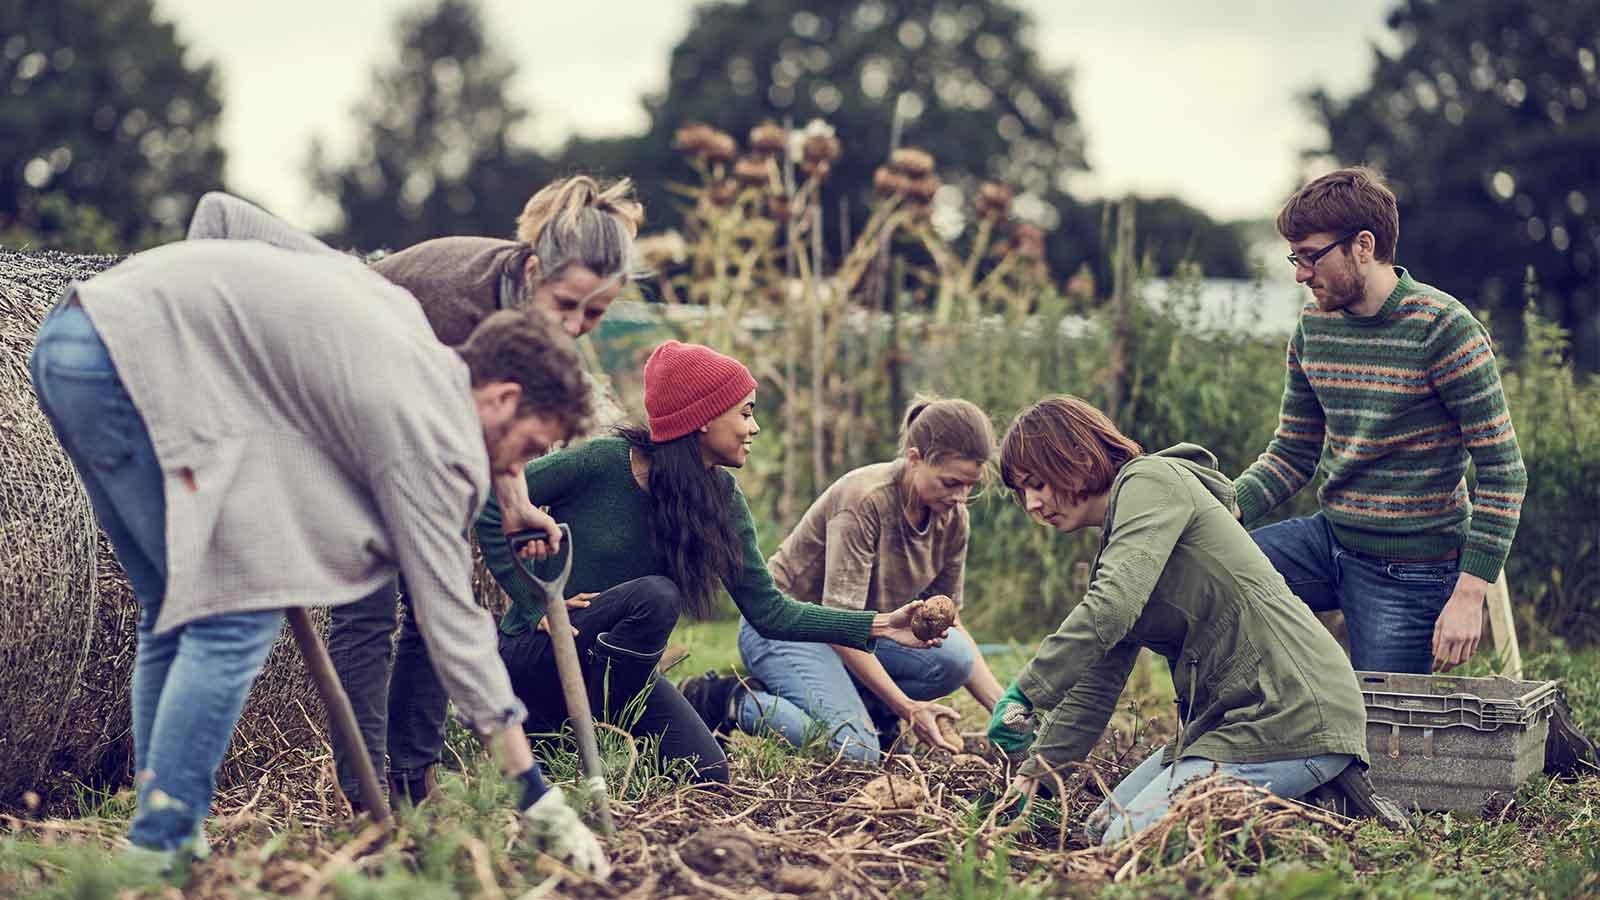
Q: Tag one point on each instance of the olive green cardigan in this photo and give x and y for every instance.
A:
(1257, 676)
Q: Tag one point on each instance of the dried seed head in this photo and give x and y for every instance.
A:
(720, 147)
(753, 171)
(722, 192)
(692, 139)
(820, 148)
(767, 139)
(779, 206)
(818, 170)
(912, 162)
(994, 201)
(922, 188)
(1028, 241)
(887, 181)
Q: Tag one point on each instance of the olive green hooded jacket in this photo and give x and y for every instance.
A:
(1257, 676)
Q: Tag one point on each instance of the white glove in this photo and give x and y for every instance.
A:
(560, 833)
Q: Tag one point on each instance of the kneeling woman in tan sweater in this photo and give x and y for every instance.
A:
(879, 538)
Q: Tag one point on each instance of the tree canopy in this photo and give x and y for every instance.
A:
(964, 79)
(1486, 121)
(436, 155)
(107, 134)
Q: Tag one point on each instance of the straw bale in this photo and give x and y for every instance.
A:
(67, 614)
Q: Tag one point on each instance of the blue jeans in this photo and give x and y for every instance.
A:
(189, 683)
(1389, 607)
(1146, 793)
(809, 691)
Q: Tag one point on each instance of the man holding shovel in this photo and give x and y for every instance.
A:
(259, 427)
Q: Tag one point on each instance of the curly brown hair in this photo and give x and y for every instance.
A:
(524, 347)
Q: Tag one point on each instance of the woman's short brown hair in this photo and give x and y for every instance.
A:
(1067, 444)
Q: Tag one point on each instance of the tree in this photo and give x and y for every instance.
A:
(963, 78)
(436, 157)
(1486, 122)
(105, 130)
(968, 86)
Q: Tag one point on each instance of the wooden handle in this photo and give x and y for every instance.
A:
(340, 716)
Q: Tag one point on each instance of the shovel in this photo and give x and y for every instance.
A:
(340, 716)
(568, 667)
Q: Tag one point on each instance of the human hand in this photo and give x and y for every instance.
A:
(576, 601)
(1460, 624)
(896, 626)
(558, 831)
(525, 516)
(1012, 725)
(924, 717)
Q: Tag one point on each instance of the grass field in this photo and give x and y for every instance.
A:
(796, 809)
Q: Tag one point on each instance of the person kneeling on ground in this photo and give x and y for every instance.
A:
(260, 427)
(657, 524)
(876, 539)
(1264, 692)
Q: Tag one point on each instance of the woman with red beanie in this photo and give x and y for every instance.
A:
(657, 525)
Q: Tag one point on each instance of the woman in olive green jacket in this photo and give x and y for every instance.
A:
(1264, 692)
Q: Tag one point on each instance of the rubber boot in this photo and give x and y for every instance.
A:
(616, 675)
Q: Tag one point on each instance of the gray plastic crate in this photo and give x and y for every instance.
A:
(1440, 742)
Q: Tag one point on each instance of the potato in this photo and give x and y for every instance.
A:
(933, 618)
(948, 730)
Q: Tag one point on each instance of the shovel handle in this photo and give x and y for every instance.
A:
(341, 717)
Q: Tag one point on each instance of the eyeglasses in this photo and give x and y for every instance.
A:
(1309, 261)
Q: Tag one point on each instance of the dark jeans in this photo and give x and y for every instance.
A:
(637, 616)
(1389, 607)
(401, 708)
(397, 698)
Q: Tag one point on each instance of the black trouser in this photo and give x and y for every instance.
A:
(402, 714)
(397, 698)
(620, 637)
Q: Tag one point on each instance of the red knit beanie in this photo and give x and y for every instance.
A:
(687, 385)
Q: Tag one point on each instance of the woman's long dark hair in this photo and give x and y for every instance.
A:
(692, 526)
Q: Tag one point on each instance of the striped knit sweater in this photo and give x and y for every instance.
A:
(1392, 406)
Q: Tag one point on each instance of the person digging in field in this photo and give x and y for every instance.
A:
(876, 539)
(260, 427)
(1264, 692)
(658, 523)
(1391, 390)
(571, 259)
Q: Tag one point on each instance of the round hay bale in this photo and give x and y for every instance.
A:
(67, 614)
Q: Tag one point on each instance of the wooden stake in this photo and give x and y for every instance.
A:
(1503, 628)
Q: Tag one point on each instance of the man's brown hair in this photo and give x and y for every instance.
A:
(524, 347)
(1067, 444)
(1343, 201)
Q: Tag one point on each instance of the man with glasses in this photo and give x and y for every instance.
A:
(1391, 390)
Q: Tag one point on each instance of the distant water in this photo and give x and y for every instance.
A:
(1267, 308)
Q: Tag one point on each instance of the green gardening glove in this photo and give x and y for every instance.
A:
(1012, 725)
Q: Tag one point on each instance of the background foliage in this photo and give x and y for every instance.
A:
(107, 133)
(1486, 121)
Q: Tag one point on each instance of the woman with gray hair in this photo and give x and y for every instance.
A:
(572, 257)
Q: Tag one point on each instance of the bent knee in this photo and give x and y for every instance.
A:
(654, 602)
(953, 660)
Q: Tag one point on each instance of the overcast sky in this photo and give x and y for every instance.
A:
(1196, 99)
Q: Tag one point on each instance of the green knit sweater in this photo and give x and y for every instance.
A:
(592, 489)
(1392, 406)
